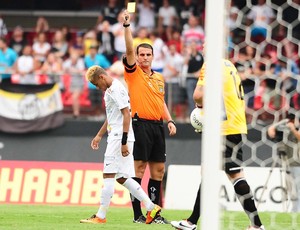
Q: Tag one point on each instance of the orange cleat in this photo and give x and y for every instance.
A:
(93, 220)
(152, 214)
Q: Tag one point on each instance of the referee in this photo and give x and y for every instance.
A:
(148, 110)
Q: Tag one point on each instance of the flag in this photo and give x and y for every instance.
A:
(30, 108)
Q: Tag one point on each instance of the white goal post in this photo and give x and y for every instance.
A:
(211, 144)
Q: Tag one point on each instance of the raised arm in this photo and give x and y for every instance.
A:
(130, 56)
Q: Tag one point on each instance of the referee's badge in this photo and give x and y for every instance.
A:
(161, 89)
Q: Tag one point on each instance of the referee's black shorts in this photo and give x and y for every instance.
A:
(150, 144)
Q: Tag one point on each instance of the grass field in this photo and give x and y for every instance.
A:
(43, 217)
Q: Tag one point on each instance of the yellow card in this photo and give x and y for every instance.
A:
(131, 7)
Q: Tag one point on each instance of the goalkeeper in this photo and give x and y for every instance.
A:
(233, 127)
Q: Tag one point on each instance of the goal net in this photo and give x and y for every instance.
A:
(263, 40)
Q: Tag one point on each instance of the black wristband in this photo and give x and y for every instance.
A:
(171, 121)
(126, 25)
(124, 138)
(199, 106)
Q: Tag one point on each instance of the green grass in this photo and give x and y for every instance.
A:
(33, 217)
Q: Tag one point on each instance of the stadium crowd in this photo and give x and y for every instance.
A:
(262, 43)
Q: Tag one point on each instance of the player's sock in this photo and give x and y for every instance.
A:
(106, 195)
(136, 204)
(154, 187)
(136, 190)
(244, 194)
(196, 210)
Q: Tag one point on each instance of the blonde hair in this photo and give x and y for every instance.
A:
(94, 72)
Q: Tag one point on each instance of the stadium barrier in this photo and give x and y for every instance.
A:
(183, 182)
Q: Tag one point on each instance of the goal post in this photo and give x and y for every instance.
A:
(211, 144)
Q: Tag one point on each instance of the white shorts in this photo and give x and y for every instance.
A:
(114, 162)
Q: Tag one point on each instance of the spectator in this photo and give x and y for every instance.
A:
(233, 16)
(42, 25)
(52, 67)
(90, 38)
(18, 40)
(260, 17)
(118, 31)
(193, 33)
(106, 42)
(74, 66)
(7, 59)
(142, 37)
(24, 66)
(232, 22)
(65, 29)
(246, 67)
(289, 49)
(95, 95)
(287, 71)
(41, 47)
(291, 16)
(116, 70)
(146, 15)
(286, 137)
(37, 70)
(95, 58)
(3, 29)
(174, 95)
(264, 67)
(194, 61)
(160, 51)
(109, 12)
(59, 45)
(244, 64)
(78, 44)
(175, 39)
(167, 17)
(186, 10)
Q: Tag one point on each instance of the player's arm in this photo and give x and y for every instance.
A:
(98, 137)
(198, 95)
(126, 123)
(171, 123)
(130, 56)
(272, 129)
(199, 90)
(293, 129)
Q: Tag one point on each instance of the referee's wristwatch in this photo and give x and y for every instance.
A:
(171, 121)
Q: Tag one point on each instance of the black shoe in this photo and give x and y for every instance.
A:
(160, 220)
(140, 220)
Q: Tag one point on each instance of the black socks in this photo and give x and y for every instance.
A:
(136, 204)
(246, 199)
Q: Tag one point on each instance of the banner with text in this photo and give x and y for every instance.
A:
(59, 183)
(183, 183)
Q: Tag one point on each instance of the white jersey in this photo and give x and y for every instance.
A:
(116, 98)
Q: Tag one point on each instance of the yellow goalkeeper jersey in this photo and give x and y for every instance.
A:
(233, 99)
